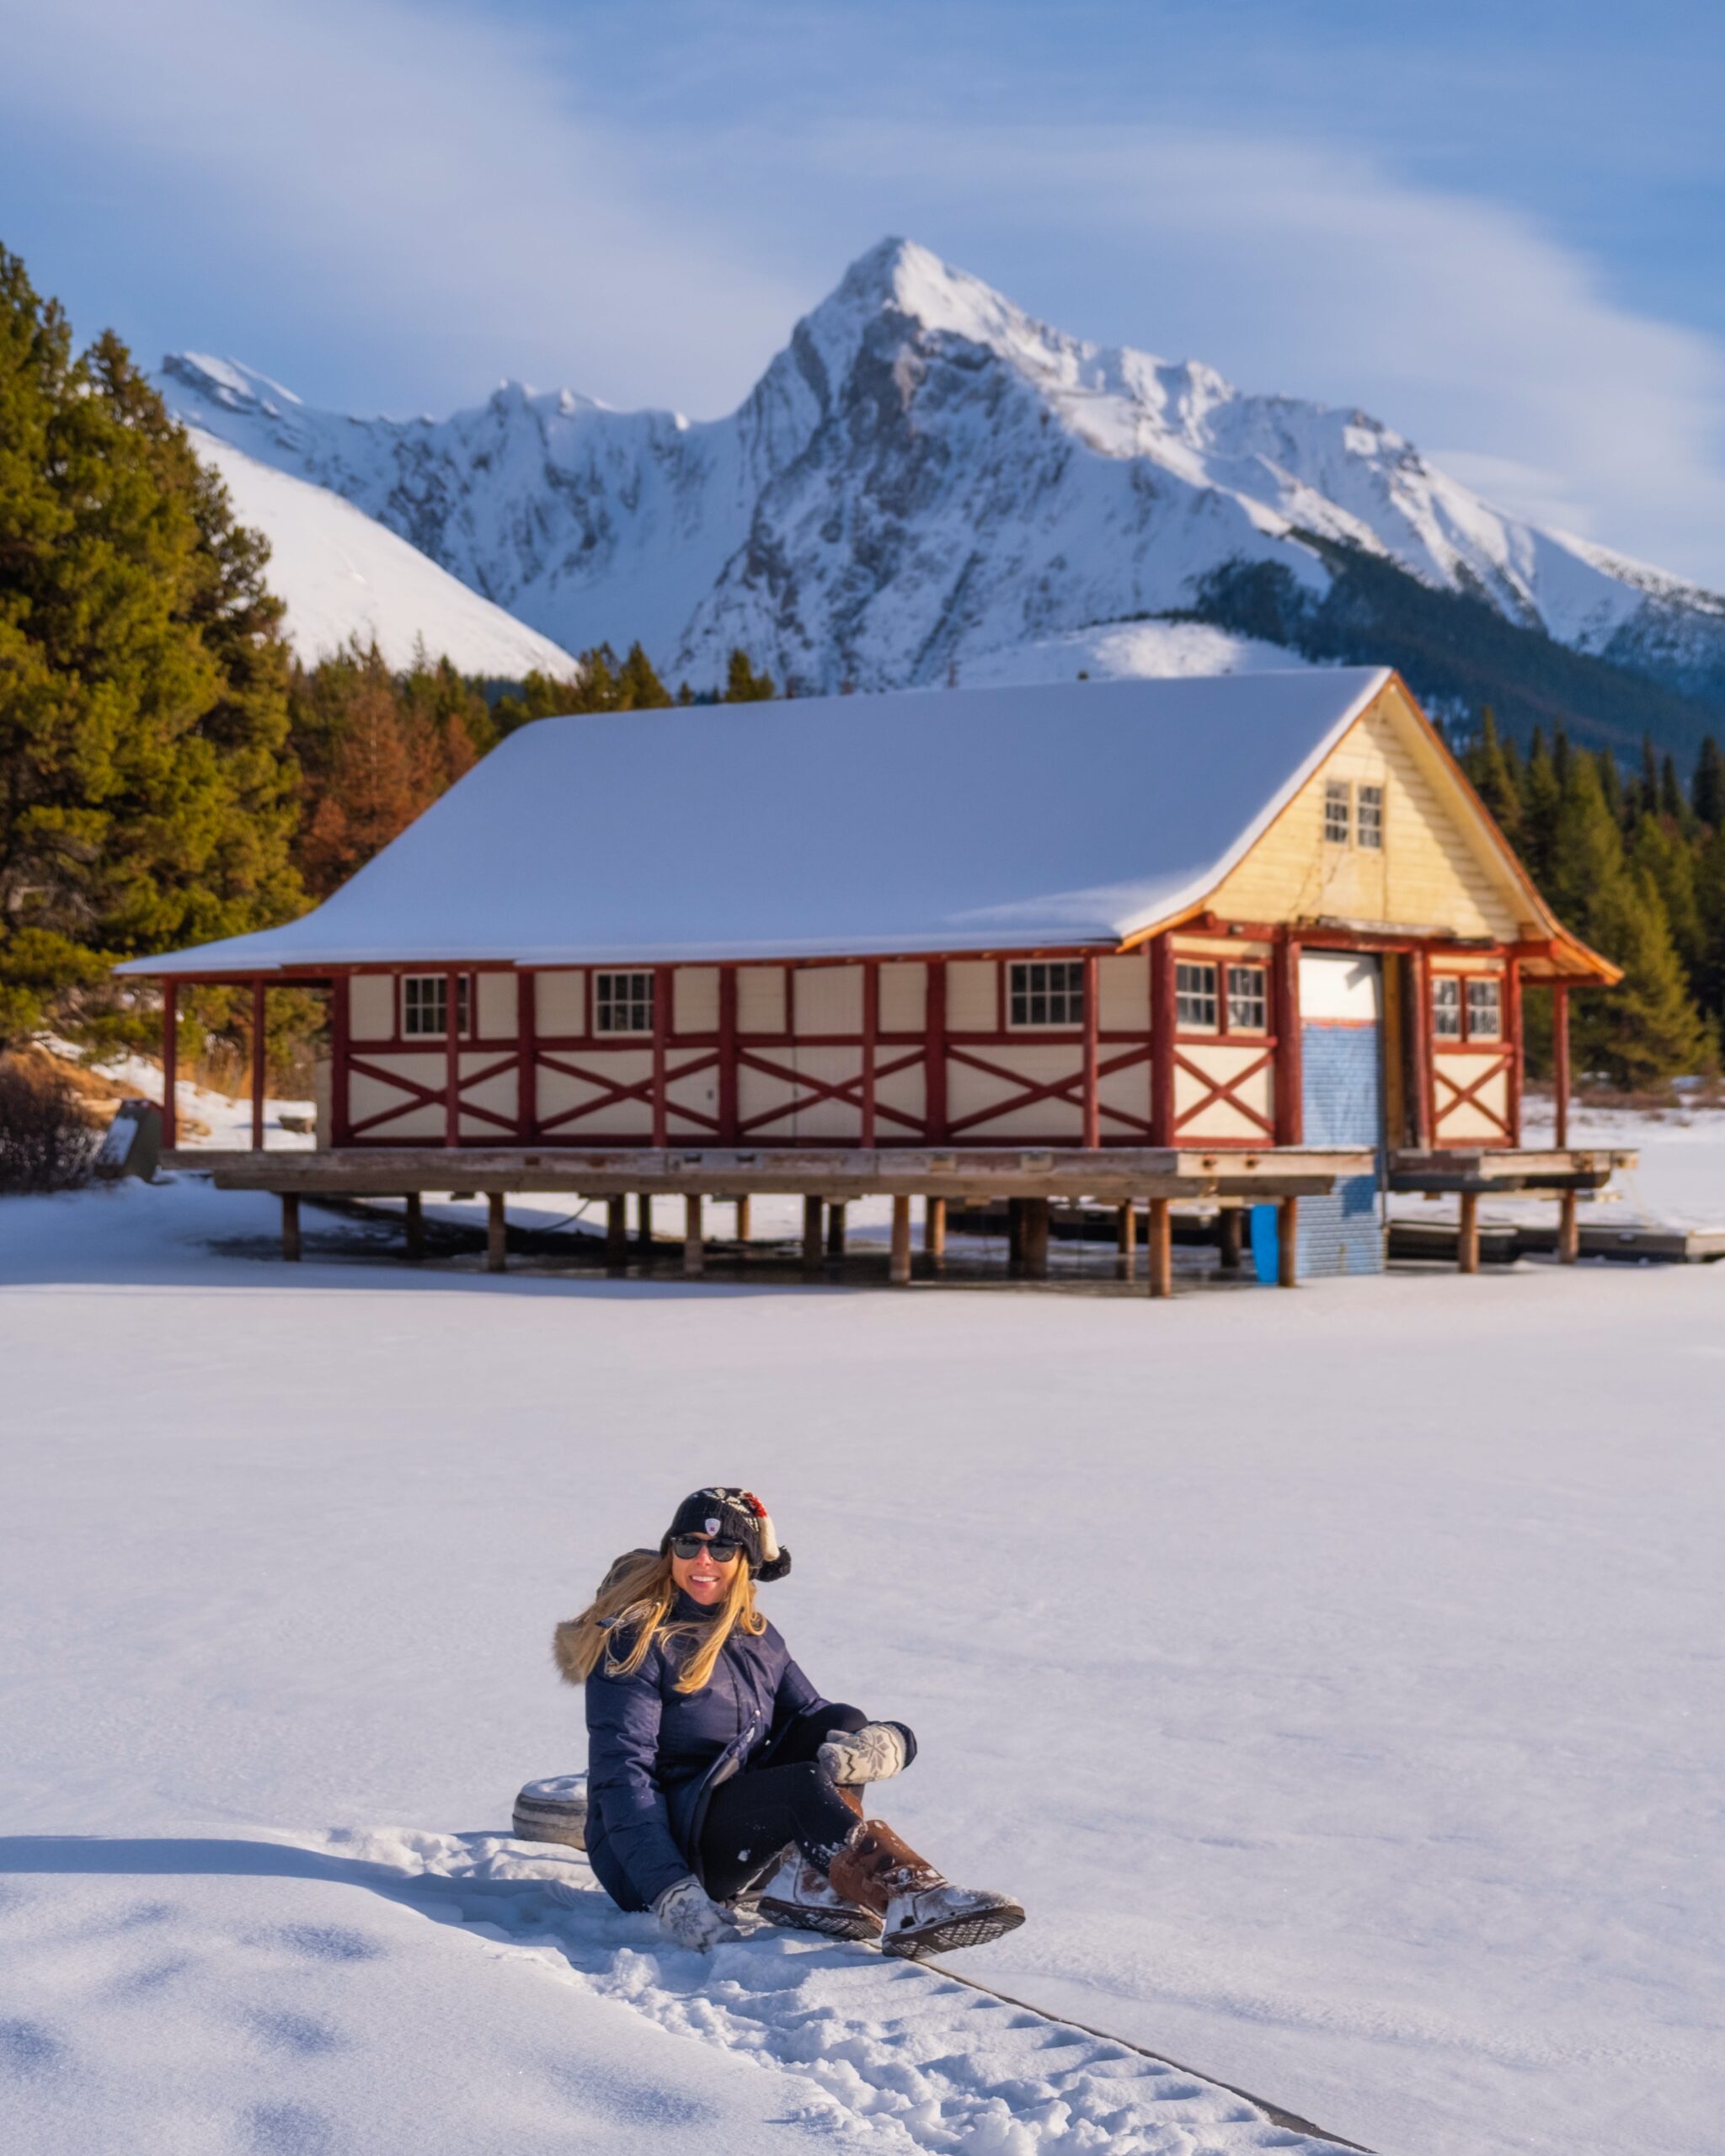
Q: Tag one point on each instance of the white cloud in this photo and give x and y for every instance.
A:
(439, 198)
(373, 162)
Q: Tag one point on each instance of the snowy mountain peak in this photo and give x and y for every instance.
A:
(927, 476)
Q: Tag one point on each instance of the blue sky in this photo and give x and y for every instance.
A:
(1500, 230)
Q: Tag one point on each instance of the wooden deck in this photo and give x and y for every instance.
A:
(1119, 1174)
(1499, 1169)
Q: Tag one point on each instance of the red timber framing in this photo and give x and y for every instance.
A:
(507, 1076)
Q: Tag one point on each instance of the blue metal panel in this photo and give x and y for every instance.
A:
(1341, 1092)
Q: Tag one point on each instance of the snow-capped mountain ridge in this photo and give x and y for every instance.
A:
(924, 474)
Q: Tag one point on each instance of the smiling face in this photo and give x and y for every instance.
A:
(702, 1577)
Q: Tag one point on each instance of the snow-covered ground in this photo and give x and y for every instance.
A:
(1336, 1676)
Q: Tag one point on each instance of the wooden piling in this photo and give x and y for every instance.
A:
(693, 1255)
(413, 1221)
(1467, 1234)
(1126, 1230)
(836, 1228)
(1160, 1247)
(811, 1235)
(1229, 1223)
(617, 1234)
(1568, 1229)
(934, 1227)
(900, 1274)
(496, 1233)
(1015, 1232)
(291, 1227)
(1288, 1242)
(1034, 1237)
(644, 1222)
(742, 1219)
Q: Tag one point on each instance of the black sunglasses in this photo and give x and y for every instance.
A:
(691, 1545)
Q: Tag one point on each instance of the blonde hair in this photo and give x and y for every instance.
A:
(631, 1612)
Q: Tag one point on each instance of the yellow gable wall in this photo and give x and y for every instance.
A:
(1437, 869)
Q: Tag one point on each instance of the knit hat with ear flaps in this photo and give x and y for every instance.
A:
(722, 1514)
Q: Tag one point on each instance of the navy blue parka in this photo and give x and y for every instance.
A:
(655, 1755)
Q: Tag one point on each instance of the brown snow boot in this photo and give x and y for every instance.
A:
(801, 1897)
(921, 1911)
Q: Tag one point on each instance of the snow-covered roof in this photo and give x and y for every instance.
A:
(925, 820)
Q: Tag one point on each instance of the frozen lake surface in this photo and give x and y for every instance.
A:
(1337, 1678)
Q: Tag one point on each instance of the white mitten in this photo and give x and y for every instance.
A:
(692, 1918)
(871, 1753)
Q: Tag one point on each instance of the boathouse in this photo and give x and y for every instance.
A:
(1251, 937)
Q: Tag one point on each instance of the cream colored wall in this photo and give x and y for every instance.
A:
(1436, 869)
(828, 999)
(560, 1008)
(972, 996)
(1453, 1073)
(904, 998)
(370, 1007)
(760, 1000)
(1219, 1061)
(694, 1000)
(1123, 994)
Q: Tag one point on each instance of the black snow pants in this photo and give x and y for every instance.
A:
(785, 1796)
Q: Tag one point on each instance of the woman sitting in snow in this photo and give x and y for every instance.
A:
(713, 1761)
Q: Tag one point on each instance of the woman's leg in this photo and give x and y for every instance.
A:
(759, 1812)
(802, 1737)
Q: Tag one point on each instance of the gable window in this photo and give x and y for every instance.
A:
(1339, 800)
(1369, 817)
(1246, 1001)
(1045, 992)
(424, 1005)
(1195, 995)
(623, 1003)
(1446, 1006)
(1485, 1010)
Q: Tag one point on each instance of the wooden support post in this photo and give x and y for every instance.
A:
(871, 1032)
(1163, 1019)
(1015, 1232)
(258, 1040)
(496, 1233)
(1126, 1230)
(727, 1076)
(661, 1027)
(1161, 1248)
(1093, 1021)
(836, 1228)
(811, 1235)
(1290, 1108)
(901, 1242)
(1288, 1242)
(1418, 1024)
(934, 1227)
(1035, 1237)
(1228, 1237)
(617, 1234)
(742, 1219)
(644, 1222)
(413, 1220)
(452, 1059)
(1467, 1234)
(692, 1253)
(528, 1056)
(1568, 1230)
(170, 1061)
(291, 1227)
(1560, 1057)
(1513, 1033)
(934, 1051)
(338, 1061)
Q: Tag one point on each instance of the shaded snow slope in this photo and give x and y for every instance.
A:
(395, 1990)
(1334, 1675)
(924, 473)
(344, 574)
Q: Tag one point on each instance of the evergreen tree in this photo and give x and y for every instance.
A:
(638, 685)
(1710, 909)
(1664, 857)
(1645, 1027)
(1624, 804)
(743, 685)
(1541, 793)
(1489, 769)
(1672, 805)
(542, 695)
(1707, 793)
(1644, 799)
(145, 797)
